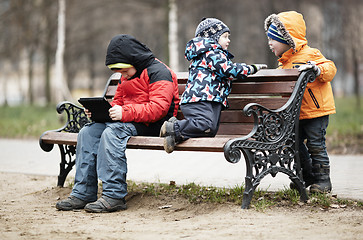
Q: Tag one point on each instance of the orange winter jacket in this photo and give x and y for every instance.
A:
(318, 98)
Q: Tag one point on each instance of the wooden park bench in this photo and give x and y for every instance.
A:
(261, 122)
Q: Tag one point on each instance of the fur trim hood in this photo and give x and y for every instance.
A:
(292, 27)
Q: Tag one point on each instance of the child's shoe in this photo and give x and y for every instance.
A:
(168, 127)
(322, 182)
(169, 143)
(71, 203)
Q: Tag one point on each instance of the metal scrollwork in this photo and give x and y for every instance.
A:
(68, 160)
(76, 117)
(271, 146)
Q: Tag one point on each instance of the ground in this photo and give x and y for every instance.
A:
(27, 211)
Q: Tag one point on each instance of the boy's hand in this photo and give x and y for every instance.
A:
(310, 65)
(116, 113)
(88, 113)
(258, 67)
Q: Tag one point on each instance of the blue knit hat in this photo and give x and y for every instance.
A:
(211, 28)
(275, 34)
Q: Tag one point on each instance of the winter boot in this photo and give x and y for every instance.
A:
(167, 131)
(322, 182)
(168, 127)
(308, 176)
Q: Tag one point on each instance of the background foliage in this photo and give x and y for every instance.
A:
(28, 38)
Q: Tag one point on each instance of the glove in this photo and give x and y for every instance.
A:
(310, 65)
(257, 67)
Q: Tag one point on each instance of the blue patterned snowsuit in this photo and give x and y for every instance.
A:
(210, 78)
(211, 72)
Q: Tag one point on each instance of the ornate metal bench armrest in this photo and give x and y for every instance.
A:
(271, 127)
(266, 128)
(76, 119)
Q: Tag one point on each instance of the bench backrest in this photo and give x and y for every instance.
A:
(270, 88)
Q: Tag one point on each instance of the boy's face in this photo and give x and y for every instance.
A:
(277, 48)
(126, 72)
(224, 40)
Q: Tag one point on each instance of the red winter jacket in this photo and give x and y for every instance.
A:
(151, 96)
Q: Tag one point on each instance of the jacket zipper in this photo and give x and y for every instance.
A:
(313, 98)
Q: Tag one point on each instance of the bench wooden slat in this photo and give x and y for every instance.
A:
(275, 75)
(256, 82)
(237, 129)
(264, 75)
(60, 138)
(238, 103)
(235, 116)
(270, 88)
(141, 142)
(194, 144)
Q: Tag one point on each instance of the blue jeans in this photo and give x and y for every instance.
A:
(101, 154)
(314, 150)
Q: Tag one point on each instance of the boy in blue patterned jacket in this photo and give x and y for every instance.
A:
(210, 78)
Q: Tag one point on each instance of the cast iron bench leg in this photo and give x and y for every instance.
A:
(67, 153)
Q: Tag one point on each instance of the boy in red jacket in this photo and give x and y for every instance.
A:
(146, 96)
(286, 37)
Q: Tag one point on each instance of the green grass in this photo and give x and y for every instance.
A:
(348, 120)
(262, 200)
(28, 121)
(345, 130)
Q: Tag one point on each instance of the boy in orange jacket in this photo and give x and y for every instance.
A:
(286, 38)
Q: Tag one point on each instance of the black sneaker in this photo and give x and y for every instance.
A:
(106, 204)
(71, 203)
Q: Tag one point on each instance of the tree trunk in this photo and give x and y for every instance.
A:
(61, 90)
(30, 75)
(356, 78)
(173, 36)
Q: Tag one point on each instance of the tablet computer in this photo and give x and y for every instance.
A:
(98, 106)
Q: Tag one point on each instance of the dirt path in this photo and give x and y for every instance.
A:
(27, 212)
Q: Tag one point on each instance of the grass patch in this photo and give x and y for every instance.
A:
(345, 131)
(261, 200)
(28, 121)
(348, 120)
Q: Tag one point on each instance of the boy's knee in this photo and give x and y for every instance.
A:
(85, 132)
(108, 133)
(211, 129)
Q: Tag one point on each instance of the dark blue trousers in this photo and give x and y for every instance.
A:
(314, 150)
(201, 119)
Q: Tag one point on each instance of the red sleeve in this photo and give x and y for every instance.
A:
(160, 98)
(117, 99)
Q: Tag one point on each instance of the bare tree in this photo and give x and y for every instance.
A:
(355, 33)
(61, 90)
(173, 36)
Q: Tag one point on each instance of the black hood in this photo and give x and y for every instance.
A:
(126, 49)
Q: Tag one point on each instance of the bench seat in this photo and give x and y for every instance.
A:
(152, 143)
